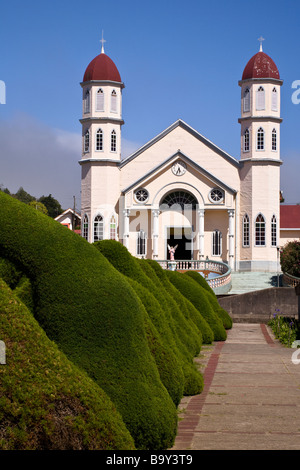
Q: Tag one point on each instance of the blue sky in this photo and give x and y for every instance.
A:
(177, 60)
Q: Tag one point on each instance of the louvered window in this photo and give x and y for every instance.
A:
(246, 100)
(260, 99)
(100, 100)
(274, 100)
(113, 106)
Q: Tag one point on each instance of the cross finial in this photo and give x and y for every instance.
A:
(261, 39)
(102, 42)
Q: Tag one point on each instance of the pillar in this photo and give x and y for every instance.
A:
(155, 233)
(201, 233)
(126, 213)
(231, 238)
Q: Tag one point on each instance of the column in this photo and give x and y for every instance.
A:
(201, 233)
(155, 233)
(126, 213)
(231, 238)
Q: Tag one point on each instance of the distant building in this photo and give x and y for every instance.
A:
(70, 218)
(180, 188)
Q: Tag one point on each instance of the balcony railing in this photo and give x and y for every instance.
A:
(220, 282)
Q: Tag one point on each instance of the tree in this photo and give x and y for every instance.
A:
(39, 206)
(53, 206)
(290, 258)
(23, 196)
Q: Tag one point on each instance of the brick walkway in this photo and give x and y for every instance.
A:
(251, 396)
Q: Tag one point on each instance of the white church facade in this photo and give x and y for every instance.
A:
(180, 189)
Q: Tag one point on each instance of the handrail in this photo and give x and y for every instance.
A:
(291, 280)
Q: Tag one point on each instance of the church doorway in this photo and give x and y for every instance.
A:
(183, 238)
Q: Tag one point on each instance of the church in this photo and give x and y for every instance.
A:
(180, 189)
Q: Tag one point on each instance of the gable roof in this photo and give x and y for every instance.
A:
(193, 132)
(290, 216)
(191, 162)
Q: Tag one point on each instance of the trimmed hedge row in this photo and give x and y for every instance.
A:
(94, 315)
(46, 402)
(179, 336)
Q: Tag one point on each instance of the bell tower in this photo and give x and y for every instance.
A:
(260, 163)
(101, 147)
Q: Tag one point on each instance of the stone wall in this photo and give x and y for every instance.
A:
(259, 306)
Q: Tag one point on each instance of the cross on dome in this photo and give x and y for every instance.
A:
(261, 39)
(102, 42)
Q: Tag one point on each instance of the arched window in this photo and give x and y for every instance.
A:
(246, 140)
(217, 243)
(260, 99)
(274, 139)
(141, 243)
(260, 141)
(274, 231)
(178, 201)
(86, 145)
(85, 227)
(274, 100)
(100, 100)
(246, 100)
(112, 228)
(113, 103)
(113, 141)
(98, 228)
(87, 102)
(246, 231)
(260, 231)
(99, 140)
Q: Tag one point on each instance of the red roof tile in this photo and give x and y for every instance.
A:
(260, 66)
(102, 68)
(290, 216)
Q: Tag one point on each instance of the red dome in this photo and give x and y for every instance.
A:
(102, 68)
(261, 66)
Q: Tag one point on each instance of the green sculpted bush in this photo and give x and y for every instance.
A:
(93, 314)
(196, 294)
(225, 317)
(177, 334)
(47, 403)
(290, 258)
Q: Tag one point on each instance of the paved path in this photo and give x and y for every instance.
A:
(251, 396)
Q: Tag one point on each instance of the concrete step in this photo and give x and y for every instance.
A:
(243, 282)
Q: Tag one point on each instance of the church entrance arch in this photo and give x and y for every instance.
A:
(179, 214)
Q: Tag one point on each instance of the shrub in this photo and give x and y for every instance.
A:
(285, 329)
(290, 258)
(225, 317)
(47, 403)
(90, 310)
(196, 294)
(158, 305)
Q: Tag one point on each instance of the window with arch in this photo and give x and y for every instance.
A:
(113, 102)
(246, 143)
(87, 102)
(274, 140)
(274, 100)
(98, 228)
(179, 200)
(112, 228)
(113, 141)
(260, 141)
(246, 231)
(274, 231)
(217, 243)
(141, 243)
(100, 100)
(260, 99)
(246, 100)
(85, 227)
(99, 140)
(86, 144)
(260, 230)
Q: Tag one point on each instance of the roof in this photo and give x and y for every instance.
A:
(290, 216)
(66, 212)
(261, 66)
(102, 68)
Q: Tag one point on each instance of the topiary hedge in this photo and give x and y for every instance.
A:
(93, 314)
(197, 296)
(47, 403)
(176, 332)
(222, 313)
